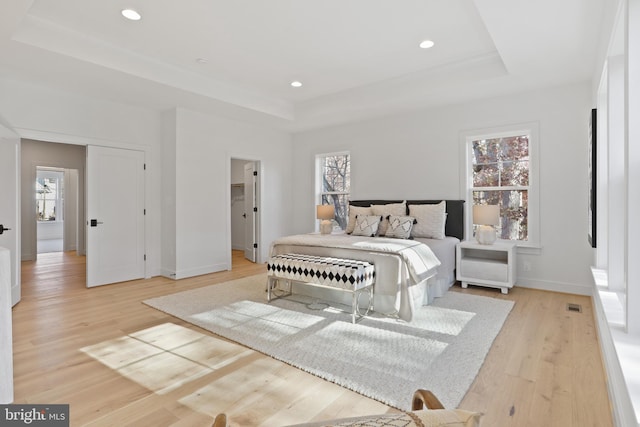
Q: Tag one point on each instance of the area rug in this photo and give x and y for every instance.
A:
(441, 349)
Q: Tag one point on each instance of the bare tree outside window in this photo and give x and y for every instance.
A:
(334, 171)
(501, 176)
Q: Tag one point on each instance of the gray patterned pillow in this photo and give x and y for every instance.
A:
(398, 209)
(400, 226)
(366, 225)
(430, 220)
(353, 211)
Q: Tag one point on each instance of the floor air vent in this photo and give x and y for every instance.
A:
(574, 307)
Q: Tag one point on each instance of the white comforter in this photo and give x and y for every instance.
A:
(402, 266)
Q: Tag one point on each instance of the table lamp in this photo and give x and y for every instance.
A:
(486, 217)
(325, 213)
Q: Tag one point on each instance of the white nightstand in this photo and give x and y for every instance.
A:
(486, 265)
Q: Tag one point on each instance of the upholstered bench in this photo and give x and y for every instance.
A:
(337, 273)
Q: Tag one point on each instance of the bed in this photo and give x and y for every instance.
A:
(409, 272)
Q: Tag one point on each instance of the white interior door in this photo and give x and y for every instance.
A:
(251, 211)
(10, 205)
(115, 212)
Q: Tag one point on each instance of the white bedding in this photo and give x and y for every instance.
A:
(445, 250)
(403, 267)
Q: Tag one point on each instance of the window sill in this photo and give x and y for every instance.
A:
(626, 348)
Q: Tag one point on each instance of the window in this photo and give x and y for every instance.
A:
(501, 169)
(334, 184)
(49, 195)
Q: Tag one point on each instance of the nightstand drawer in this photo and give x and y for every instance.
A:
(484, 269)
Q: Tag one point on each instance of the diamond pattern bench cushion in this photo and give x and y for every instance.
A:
(326, 271)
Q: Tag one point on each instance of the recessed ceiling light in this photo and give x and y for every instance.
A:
(131, 14)
(296, 84)
(426, 44)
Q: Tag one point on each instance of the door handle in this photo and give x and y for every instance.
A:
(95, 222)
(3, 229)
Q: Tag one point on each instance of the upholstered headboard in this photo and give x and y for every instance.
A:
(455, 212)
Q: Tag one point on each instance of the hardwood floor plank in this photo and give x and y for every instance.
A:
(117, 361)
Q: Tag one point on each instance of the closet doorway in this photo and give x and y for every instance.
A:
(245, 212)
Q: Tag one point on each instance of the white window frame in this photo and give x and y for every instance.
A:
(466, 182)
(318, 181)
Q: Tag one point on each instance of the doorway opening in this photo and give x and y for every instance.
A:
(52, 198)
(56, 196)
(245, 212)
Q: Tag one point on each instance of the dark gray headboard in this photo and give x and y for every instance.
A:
(455, 212)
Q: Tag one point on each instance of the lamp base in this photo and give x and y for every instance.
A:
(326, 226)
(486, 235)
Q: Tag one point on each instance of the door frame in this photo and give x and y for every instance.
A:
(67, 222)
(9, 133)
(258, 229)
(150, 235)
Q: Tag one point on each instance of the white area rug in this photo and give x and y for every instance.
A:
(441, 350)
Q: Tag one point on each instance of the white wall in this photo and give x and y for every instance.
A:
(417, 155)
(50, 230)
(197, 148)
(237, 171)
(168, 183)
(73, 210)
(203, 148)
(44, 114)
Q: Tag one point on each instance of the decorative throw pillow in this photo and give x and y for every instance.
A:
(430, 220)
(353, 211)
(398, 209)
(400, 226)
(366, 225)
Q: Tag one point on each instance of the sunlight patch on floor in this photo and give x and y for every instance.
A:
(165, 357)
(277, 323)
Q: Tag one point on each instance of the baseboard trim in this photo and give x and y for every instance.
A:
(183, 274)
(28, 257)
(170, 274)
(544, 285)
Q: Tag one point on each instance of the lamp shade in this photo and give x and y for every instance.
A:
(325, 212)
(486, 214)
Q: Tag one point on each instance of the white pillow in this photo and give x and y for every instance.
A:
(400, 226)
(353, 211)
(430, 220)
(366, 225)
(398, 209)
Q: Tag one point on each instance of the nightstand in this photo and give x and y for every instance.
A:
(486, 265)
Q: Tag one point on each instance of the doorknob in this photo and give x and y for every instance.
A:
(95, 222)
(3, 229)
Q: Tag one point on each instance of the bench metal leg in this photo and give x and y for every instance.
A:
(272, 285)
(356, 307)
(285, 290)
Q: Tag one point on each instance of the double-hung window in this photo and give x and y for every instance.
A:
(501, 169)
(333, 172)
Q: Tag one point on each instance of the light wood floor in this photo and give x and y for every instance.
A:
(118, 362)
